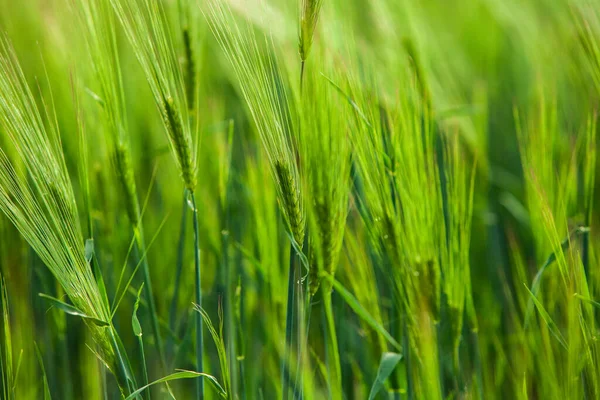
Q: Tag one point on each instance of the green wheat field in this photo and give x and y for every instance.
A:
(299, 199)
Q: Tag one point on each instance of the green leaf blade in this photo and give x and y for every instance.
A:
(386, 367)
(72, 310)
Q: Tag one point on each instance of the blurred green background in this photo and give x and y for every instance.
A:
(517, 81)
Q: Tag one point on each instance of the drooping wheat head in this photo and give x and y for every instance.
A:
(459, 183)
(396, 158)
(325, 151)
(263, 87)
(146, 27)
(97, 21)
(37, 196)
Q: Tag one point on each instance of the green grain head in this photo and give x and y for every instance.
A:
(309, 16)
(127, 180)
(37, 197)
(180, 142)
(401, 193)
(456, 238)
(145, 24)
(325, 155)
(290, 200)
(264, 87)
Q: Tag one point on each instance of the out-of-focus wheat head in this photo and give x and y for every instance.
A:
(309, 16)
(263, 86)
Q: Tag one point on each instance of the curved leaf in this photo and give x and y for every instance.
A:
(548, 320)
(72, 310)
(537, 280)
(386, 366)
(135, 322)
(182, 374)
(89, 250)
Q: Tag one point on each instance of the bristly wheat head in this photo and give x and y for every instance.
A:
(127, 180)
(41, 203)
(190, 68)
(325, 168)
(181, 142)
(98, 24)
(290, 198)
(145, 25)
(97, 21)
(459, 182)
(397, 160)
(263, 86)
(326, 160)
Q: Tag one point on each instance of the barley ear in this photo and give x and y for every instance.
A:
(180, 142)
(127, 180)
(290, 197)
(190, 69)
(309, 15)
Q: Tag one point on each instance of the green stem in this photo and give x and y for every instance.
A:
(229, 313)
(144, 369)
(289, 326)
(103, 379)
(440, 359)
(585, 248)
(407, 357)
(301, 74)
(397, 331)
(66, 365)
(141, 245)
(302, 329)
(303, 333)
(199, 336)
(178, 269)
(122, 374)
(334, 365)
(478, 367)
(240, 344)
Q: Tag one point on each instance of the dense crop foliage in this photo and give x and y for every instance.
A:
(304, 199)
